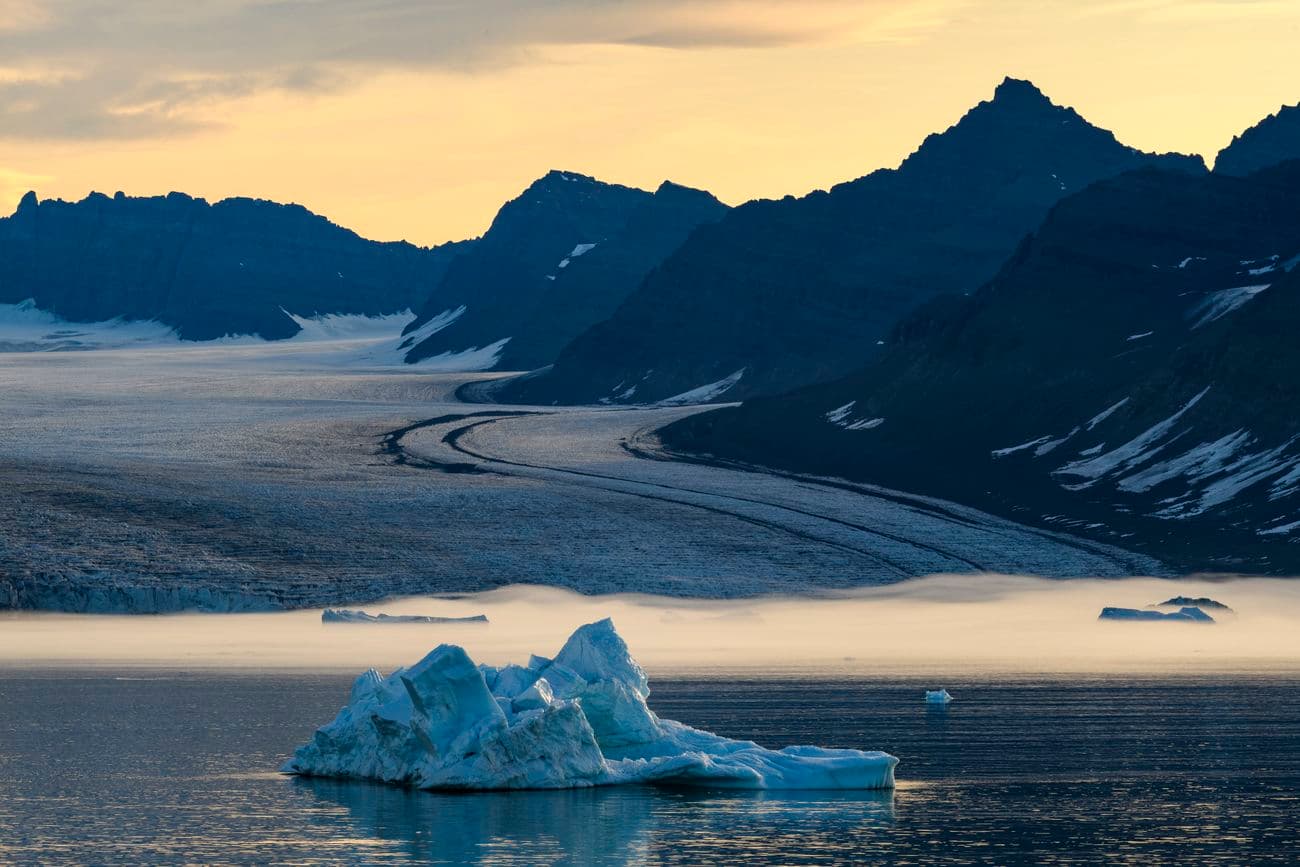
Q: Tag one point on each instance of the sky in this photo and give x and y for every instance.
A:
(417, 119)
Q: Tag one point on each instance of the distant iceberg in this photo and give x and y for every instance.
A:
(937, 696)
(343, 615)
(577, 720)
(1188, 614)
(1201, 602)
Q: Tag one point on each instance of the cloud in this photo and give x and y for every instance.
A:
(142, 68)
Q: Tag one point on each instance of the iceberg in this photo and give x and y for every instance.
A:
(577, 720)
(1201, 602)
(1189, 614)
(343, 615)
(937, 696)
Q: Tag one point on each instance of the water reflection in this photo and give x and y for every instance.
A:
(617, 825)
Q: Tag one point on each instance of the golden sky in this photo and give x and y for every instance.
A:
(416, 119)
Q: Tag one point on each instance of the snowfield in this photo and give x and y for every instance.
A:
(249, 476)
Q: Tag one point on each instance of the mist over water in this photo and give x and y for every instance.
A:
(940, 623)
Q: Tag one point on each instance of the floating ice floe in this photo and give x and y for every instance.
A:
(1187, 614)
(937, 696)
(343, 615)
(577, 720)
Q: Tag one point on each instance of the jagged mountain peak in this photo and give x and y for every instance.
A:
(1019, 90)
(1273, 140)
(29, 202)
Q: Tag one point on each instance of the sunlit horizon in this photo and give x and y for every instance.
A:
(440, 116)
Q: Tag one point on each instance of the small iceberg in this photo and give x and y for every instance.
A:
(577, 720)
(343, 615)
(937, 696)
(1202, 602)
(1189, 614)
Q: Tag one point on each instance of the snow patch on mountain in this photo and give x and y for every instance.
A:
(1195, 464)
(1216, 305)
(839, 414)
(1011, 450)
(704, 393)
(466, 360)
(1132, 453)
(1104, 414)
(24, 327)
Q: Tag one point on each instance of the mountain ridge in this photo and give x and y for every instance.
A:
(786, 291)
(237, 266)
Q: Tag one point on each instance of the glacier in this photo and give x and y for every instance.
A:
(577, 720)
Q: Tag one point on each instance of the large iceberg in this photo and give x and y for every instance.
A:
(580, 719)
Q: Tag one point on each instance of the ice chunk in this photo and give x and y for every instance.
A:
(578, 720)
(343, 615)
(513, 680)
(937, 696)
(1201, 602)
(1189, 614)
(536, 697)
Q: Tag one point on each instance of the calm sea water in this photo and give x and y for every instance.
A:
(141, 767)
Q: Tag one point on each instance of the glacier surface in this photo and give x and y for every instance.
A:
(577, 720)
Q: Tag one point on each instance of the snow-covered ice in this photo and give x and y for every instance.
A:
(577, 720)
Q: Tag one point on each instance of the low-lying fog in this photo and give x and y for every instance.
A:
(940, 623)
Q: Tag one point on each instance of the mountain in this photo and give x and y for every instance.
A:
(782, 293)
(556, 260)
(1273, 140)
(208, 270)
(1131, 374)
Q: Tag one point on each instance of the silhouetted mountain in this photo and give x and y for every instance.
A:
(782, 293)
(556, 261)
(1132, 373)
(1273, 140)
(206, 269)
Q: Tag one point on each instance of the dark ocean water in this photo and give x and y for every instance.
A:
(141, 767)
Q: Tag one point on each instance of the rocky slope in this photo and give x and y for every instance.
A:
(1131, 373)
(558, 259)
(783, 293)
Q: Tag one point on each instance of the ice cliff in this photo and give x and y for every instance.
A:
(580, 719)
